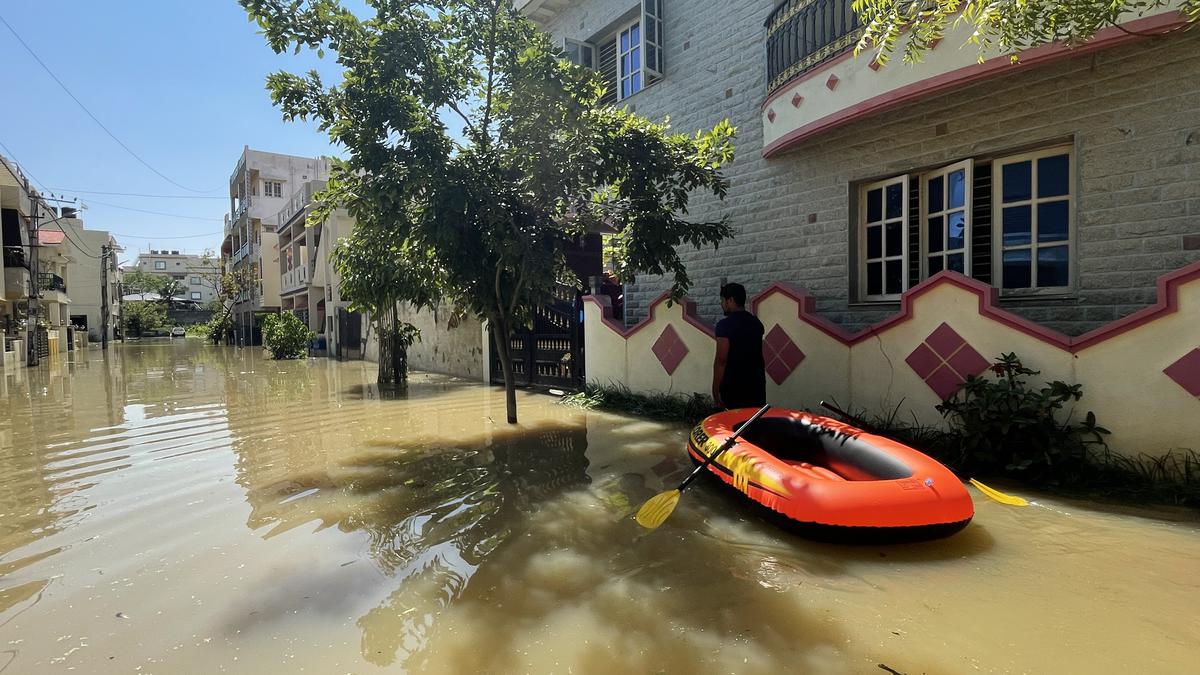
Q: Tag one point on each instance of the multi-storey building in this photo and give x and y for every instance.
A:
(1068, 182)
(87, 252)
(197, 274)
(261, 186)
(308, 283)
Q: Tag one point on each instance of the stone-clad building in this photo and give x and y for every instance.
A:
(1070, 182)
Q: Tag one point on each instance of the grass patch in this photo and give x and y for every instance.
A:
(686, 408)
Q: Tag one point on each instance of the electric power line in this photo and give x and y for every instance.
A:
(156, 213)
(94, 118)
(189, 236)
(20, 166)
(67, 233)
(134, 194)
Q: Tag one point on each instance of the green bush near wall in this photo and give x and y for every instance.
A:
(286, 335)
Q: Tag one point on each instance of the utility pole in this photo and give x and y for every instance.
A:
(34, 292)
(105, 253)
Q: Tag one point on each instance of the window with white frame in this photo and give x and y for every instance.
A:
(160, 264)
(196, 295)
(1006, 220)
(195, 281)
(946, 220)
(272, 188)
(629, 59)
(883, 215)
(1032, 203)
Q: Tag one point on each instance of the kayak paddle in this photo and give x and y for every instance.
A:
(658, 508)
(997, 495)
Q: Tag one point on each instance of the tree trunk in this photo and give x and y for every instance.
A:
(502, 337)
(385, 348)
(397, 356)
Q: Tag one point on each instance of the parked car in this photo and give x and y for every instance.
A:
(178, 331)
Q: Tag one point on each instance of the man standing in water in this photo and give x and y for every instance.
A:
(739, 375)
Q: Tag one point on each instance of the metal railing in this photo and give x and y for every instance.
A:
(803, 33)
(51, 282)
(241, 253)
(301, 199)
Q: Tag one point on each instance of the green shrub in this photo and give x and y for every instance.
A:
(1001, 424)
(286, 335)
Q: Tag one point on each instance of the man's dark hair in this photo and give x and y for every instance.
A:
(735, 292)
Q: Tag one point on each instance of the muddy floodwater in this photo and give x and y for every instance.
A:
(176, 508)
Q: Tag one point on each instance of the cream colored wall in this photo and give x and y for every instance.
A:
(454, 351)
(270, 270)
(1121, 373)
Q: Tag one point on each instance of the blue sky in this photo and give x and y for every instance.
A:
(181, 82)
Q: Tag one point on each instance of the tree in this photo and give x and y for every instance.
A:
(228, 287)
(137, 282)
(538, 164)
(170, 289)
(140, 316)
(1011, 26)
(377, 271)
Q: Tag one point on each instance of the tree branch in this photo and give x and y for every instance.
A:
(512, 307)
(466, 120)
(491, 71)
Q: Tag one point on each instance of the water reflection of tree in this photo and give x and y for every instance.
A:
(433, 512)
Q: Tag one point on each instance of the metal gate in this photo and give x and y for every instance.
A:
(551, 354)
(349, 344)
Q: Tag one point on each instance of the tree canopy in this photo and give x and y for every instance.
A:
(533, 164)
(1009, 26)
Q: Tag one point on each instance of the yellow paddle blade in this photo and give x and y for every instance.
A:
(657, 509)
(998, 495)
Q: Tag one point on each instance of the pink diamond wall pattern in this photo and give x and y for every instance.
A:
(669, 349)
(945, 360)
(780, 355)
(1186, 372)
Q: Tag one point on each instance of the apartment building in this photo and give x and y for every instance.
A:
(261, 186)
(197, 273)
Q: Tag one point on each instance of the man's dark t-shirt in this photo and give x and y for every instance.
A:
(745, 383)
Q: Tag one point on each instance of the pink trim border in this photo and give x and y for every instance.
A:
(1109, 37)
(1167, 303)
(689, 315)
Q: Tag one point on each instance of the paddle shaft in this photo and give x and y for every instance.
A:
(725, 446)
(843, 413)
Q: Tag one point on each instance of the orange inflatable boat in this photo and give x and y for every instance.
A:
(832, 481)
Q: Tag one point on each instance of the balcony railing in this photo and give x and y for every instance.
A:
(51, 282)
(295, 278)
(803, 33)
(241, 253)
(298, 202)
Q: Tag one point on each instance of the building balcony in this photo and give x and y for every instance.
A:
(16, 282)
(240, 254)
(297, 204)
(295, 279)
(52, 288)
(816, 83)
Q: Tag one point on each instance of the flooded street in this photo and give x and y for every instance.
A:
(176, 508)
